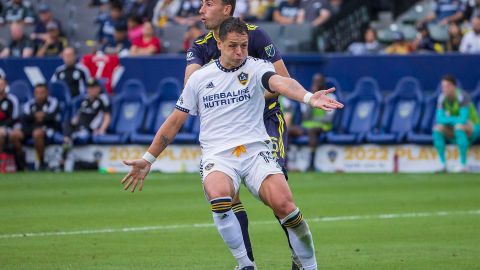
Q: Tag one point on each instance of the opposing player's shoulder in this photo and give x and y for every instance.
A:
(203, 39)
(202, 73)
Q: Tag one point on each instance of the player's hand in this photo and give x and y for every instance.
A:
(321, 100)
(140, 170)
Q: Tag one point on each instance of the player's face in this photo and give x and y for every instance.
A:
(3, 87)
(234, 49)
(41, 94)
(213, 13)
(448, 88)
(93, 91)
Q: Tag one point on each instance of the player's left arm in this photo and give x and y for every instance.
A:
(294, 90)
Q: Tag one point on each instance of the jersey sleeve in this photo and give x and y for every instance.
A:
(187, 102)
(195, 55)
(264, 71)
(263, 46)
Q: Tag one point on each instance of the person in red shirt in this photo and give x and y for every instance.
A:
(148, 44)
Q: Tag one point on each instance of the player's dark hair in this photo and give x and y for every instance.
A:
(450, 78)
(230, 25)
(231, 3)
(41, 85)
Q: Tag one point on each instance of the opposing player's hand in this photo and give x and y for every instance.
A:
(140, 170)
(321, 100)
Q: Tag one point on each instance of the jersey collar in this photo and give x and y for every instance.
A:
(224, 69)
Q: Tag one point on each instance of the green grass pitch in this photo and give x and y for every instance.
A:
(369, 221)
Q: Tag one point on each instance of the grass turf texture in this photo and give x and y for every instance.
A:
(44, 202)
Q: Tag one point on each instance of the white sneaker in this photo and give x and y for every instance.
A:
(461, 169)
(254, 267)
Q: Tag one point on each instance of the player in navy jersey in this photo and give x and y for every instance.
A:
(205, 49)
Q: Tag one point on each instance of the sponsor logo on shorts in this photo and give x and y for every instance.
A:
(209, 166)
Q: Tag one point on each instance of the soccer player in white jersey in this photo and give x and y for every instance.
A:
(228, 95)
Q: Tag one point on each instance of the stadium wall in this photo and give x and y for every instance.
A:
(346, 69)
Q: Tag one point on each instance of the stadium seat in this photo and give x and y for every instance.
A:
(297, 37)
(401, 113)
(360, 114)
(158, 109)
(22, 90)
(438, 32)
(423, 134)
(172, 38)
(61, 92)
(132, 85)
(127, 114)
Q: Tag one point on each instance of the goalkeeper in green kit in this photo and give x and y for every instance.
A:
(457, 121)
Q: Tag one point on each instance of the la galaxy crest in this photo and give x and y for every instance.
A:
(270, 50)
(243, 78)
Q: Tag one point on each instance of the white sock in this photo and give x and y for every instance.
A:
(230, 230)
(301, 239)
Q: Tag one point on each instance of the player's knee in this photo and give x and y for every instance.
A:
(284, 207)
(440, 128)
(460, 127)
(38, 134)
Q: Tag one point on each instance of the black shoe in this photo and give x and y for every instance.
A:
(248, 268)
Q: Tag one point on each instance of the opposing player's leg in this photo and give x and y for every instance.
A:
(220, 189)
(275, 192)
(242, 217)
(277, 130)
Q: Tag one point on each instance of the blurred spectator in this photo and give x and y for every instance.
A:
(188, 12)
(164, 12)
(18, 11)
(135, 26)
(107, 27)
(192, 34)
(97, 3)
(45, 17)
(454, 37)
(120, 45)
(314, 121)
(287, 12)
(473, 9)
(40, 121)
(8, 112)
(399, 45)
(20, 45)
(471, 40)
(93, 116)
(424, 42)
(335, 6)
(445, 12)
(53, 42)
(103, 66)
(74, 74)
(457, 120)
(262, 10)
(315, 12)
(148, 44)
(369, 46)
(137, 8)
(241, 9)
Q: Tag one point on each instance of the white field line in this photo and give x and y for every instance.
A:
(203, 225)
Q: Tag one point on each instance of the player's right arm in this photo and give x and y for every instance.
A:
(186, 104)
(165, 135)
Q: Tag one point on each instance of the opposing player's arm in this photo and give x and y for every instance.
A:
(189, 71)
(165, 135)
(292, 89)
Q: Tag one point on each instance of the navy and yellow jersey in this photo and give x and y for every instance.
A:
(205, 49)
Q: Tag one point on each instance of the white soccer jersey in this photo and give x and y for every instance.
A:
(229, 102)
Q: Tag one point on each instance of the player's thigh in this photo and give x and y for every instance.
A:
(467, 127)
(276, 193)
(447, 130)
(219, 177)
(218, 184)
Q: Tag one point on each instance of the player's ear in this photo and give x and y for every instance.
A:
(227, 9)
(219, 44)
